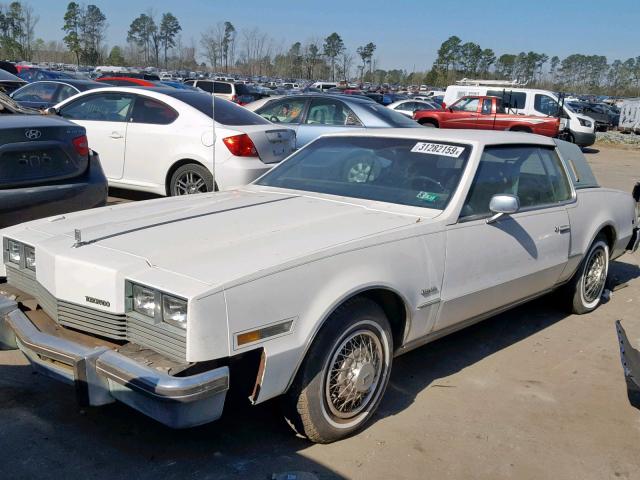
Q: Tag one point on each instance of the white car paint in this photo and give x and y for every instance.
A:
(402, 106)
(259, 255)
(141, 156)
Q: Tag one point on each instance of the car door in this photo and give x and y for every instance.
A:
(65, 91)
(490, 266)
(288, 112)
(326, 115)
(104, 116)
(462, 114)
(223, 90)
(39, 95)
(487, 118)
(406, 108)
(149, 141)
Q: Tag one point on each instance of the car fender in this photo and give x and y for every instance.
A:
(594, 210)
(309, 293)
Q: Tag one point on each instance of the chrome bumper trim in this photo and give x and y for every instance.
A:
(634, 241)
(102, 375)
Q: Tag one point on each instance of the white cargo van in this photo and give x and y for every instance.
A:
(324, 85)
(575, 128)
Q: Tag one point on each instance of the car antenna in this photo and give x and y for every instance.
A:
(213, 133)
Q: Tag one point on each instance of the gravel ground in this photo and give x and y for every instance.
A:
(617, 138)
(533, 393)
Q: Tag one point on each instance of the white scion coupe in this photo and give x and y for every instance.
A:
(306, 283)
(160, 140)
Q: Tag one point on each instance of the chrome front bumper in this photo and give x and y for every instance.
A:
(102, 375)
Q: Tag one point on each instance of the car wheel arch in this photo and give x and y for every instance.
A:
(520, 128)
(392, 302)
(176, 165)
(609, 232)
(432, 121)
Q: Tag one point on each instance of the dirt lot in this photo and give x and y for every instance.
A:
(530, 394)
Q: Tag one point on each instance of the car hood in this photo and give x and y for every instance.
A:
(218, 238)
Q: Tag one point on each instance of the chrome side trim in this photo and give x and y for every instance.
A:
(427, 303)
(430, 337)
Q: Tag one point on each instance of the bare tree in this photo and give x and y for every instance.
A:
(346, 63)
(30, 22)
(211, 47)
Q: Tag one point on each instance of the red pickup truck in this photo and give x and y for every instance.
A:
(486, 113)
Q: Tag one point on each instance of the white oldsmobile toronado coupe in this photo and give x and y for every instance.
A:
(307, 283)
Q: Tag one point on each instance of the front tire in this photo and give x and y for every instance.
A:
(588, 284)
(567, 136)
(345, 374)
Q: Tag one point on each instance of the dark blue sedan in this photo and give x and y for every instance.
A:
(47, 93)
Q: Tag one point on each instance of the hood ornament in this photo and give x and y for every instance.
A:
(78, 236)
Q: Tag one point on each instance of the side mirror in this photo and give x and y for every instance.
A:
(503, 204)
(51, 111)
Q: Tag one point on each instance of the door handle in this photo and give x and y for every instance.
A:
(115, 135)
(563, 229)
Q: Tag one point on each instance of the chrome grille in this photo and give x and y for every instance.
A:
(169, 343)
(105, 324)
(96, 322)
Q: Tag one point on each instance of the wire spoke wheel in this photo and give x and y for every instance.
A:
(353, 374)
(595, 276)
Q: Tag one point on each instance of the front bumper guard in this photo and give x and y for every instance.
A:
(634, 241)
(102, 375)
(630, 358)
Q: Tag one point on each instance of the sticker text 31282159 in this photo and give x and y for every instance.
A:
(438, 149)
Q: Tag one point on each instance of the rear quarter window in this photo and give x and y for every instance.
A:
(391, 117)
(224, 88)
(510, 99)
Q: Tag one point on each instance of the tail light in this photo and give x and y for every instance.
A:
(81, 144)
(241, 145)
(234, 98)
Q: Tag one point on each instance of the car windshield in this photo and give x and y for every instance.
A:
(573, 107)
(393, 118)
(404, 171)
(227, 113)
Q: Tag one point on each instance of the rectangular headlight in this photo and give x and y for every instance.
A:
(30, 257)
(174, 311)
(14, 251)
(144, 300)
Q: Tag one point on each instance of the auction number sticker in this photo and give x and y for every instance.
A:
(438, 149)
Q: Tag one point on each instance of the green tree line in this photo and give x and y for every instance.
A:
(155, 40)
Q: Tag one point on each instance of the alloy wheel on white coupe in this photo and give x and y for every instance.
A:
(189, 183)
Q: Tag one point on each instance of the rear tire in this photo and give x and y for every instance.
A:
(586, 287)
(344, 375)
(189, 179)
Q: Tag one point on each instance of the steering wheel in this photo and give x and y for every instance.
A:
(274, 119)
(429, 180)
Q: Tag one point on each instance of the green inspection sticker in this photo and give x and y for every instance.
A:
(428, 196)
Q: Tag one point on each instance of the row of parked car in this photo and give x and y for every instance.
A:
(160, 139)
(304, 285)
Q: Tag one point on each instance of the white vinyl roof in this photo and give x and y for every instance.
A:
(478, 137)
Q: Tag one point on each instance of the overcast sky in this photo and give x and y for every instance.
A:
(407, 32)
